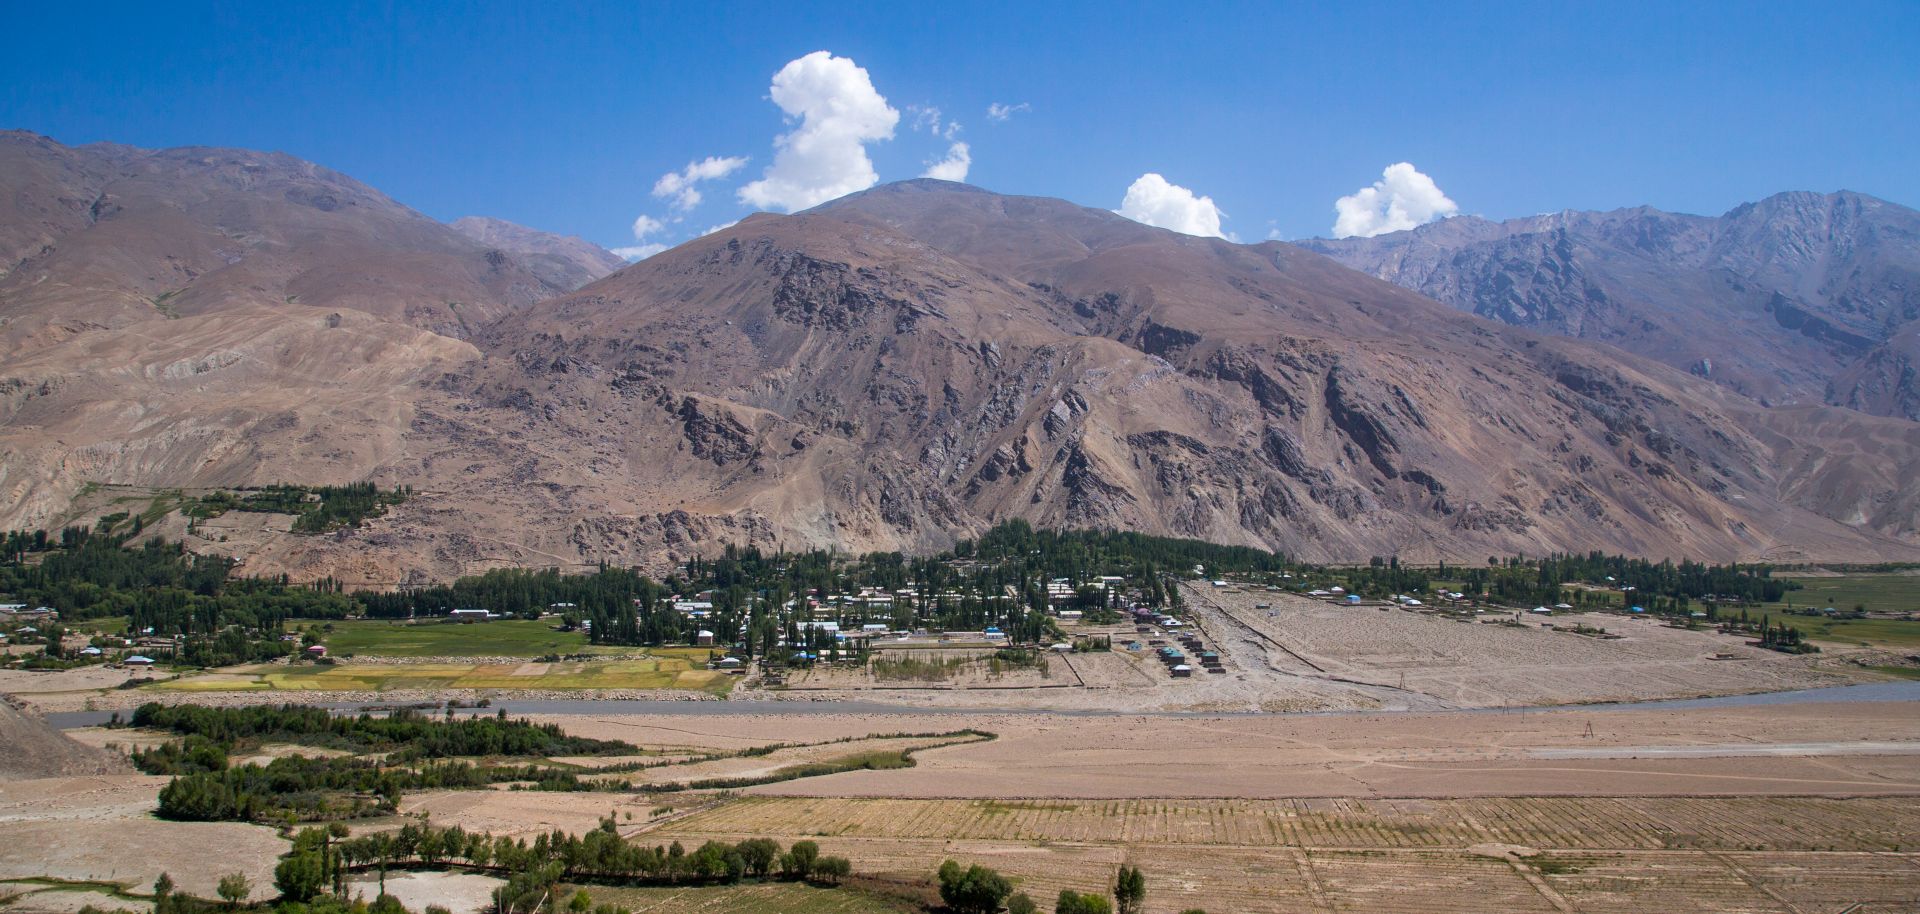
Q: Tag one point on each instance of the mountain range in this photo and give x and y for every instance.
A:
(891, 370)
(1799, 298)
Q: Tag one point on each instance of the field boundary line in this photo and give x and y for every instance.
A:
(1749, 879)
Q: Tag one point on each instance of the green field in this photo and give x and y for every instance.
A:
(1892, 634)
(765, 898)
(500, 638)
(671, 668)
(1877, 592)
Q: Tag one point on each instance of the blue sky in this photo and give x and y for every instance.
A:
(564, 117)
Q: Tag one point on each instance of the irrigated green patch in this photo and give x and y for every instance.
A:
(1884, 592)
(1881, 592)
(437, 638)
(1892, 634)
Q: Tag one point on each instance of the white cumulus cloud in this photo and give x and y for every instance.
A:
(999, 112)
(826, 155)
(639, 251)
(721, 227)
(1403, 198)
(678, 186)
(1152, 200)
(645, 225)
(953, 167)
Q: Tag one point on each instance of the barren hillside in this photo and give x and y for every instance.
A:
(1799, 298)
(894, 369)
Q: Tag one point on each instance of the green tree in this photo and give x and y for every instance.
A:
(233, 889)
(832, 869)
(1130, 890)
(1072, 902)
(801, 858)
(580, 903)
(974, 890)
(1021, 904)
(759, 854)
(300, 876)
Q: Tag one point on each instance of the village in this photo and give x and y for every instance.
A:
(1040, 701)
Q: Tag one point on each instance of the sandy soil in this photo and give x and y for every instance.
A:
(1837, 749)
(461, 893)
(62, 901)
(102, 828)
(129, 699)
(1436, 660)
(30, 684)
(754, 766)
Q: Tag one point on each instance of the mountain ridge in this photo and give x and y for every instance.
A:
(907, 366)
(1799, 297)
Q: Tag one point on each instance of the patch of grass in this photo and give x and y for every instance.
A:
(914, 668)
(762, 898)
(1903, 672)
(1558, 866)
(52, 884)
(165, 304)
(1004, 807)
(435, 638)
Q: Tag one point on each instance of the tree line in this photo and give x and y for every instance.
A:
(404, 734)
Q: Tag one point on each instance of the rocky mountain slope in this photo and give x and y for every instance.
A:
(909, 365)
(562, 261)
(217, 316)
(1799, 298)
(912, 363)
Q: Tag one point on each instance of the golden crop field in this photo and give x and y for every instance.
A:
(663, 672)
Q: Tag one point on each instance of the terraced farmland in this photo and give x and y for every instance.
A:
(1664, 823)
(1412, 856)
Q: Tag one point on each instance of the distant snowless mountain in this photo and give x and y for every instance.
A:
(894, 370)
(1800, 298)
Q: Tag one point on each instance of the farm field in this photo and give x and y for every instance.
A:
(767, 898)
(1880, 592)
(668, 672)
(499, 638)
(1889, 634)
(1884, 824)
(102, 828)
(1504, 854)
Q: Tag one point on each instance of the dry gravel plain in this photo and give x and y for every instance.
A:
(1788, 808)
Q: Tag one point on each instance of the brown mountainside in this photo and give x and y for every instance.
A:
(108, 236)
(909, 365)
(912, 363)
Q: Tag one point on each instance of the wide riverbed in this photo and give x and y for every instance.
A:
(1869, 692)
